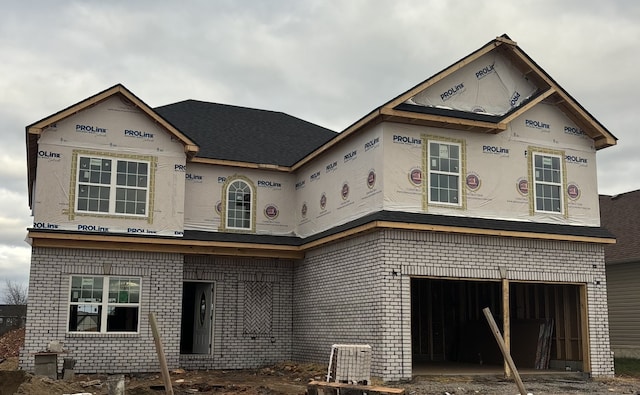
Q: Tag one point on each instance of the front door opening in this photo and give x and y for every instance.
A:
(197, 318)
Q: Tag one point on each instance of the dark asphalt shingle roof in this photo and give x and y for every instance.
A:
(620, 215)
(245, 134)
(387, 216)
(411, 218)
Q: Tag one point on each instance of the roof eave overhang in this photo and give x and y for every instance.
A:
(191, 148)
(264, 250)
(164, 245)
(440, 121)
(243, 165)
(566, 103)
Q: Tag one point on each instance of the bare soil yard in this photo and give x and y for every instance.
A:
(283, 378)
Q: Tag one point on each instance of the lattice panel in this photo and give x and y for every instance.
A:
(258, 308)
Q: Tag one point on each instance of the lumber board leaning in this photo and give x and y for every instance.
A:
(332, 388)
(507, 356)
(168, 388)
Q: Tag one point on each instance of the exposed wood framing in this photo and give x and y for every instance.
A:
(442, 121)
(506, 323)
(492, 232)
(568, 106)
(527, 106)
(193, 247)
(243, 165)
(586, 342)
(190, 147)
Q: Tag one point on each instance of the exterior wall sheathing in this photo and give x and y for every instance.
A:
(233, 347)
(49, 284)
(359, 289)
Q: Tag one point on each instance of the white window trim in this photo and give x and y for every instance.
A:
(560, 184)
(105, 305)
(430, 172)
(228, 208)
(112, 186)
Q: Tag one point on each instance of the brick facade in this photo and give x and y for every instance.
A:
(355, 291)
(267, 282)
(237, 343)
(49, 284)
(359, 289)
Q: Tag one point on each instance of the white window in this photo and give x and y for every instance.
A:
(239, 210)
(104, 304)
(444, 173)
(104, 190)
(547, 180)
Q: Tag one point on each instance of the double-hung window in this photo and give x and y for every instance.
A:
(444, 161)
(547, 178)
(104, 304)
(112, 186)
(239, 210)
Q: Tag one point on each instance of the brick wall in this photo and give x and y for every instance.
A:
(358, 290)
(353, 291)
(338, 300)
(259, 337)
(253, 307)
(47, 312)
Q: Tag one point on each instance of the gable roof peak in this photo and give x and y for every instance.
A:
(422, 106)
(34, 130)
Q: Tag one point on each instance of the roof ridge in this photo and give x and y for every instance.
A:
(618, 195)
(223, 105)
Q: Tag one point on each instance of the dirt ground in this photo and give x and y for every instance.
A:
(283, 379)
(290, 379)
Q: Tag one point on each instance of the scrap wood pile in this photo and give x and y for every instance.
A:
(11, 342)
(543, 351)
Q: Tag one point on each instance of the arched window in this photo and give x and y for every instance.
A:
(239, 208)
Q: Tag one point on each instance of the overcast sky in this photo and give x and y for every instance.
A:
(328, 62)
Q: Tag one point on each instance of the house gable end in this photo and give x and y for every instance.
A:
(127, 98)
(488, 89)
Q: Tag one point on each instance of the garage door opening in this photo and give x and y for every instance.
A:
(448, 324)
(449, 332)
(559, 306)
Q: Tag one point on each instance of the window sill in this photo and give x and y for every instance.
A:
(102, 335)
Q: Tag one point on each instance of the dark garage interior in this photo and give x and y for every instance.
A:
(448, 326)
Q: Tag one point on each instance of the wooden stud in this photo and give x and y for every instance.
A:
(506, 323)
(584, 315)
(528, 105)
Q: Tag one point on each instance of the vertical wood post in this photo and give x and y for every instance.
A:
(584, 327)
(506, 323)
(163, 362)
(496, 333)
